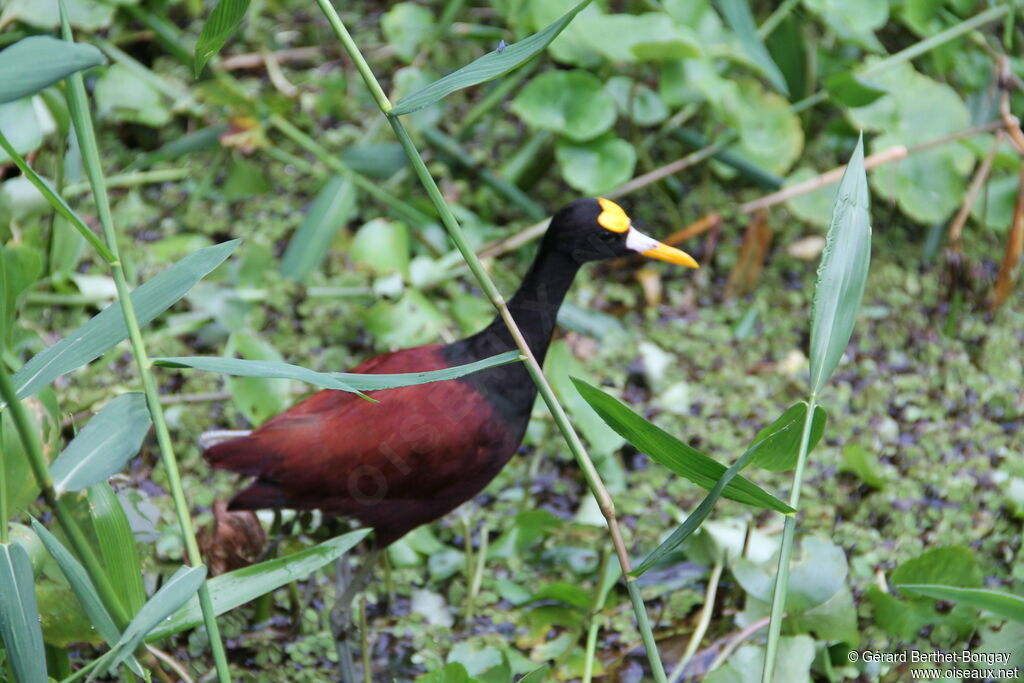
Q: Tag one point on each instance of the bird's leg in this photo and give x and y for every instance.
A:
(341, 615)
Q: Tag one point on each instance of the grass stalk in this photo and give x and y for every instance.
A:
(82, 119)
(786, 550)
(590, 473)
(37, 463)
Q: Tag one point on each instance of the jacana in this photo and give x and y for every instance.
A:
(423, 450)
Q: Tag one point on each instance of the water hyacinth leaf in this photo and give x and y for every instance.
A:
(573, 103)
(105, 444)
(333, 207)
(767, 445)
(596, 166)
(1006, 605)
(107, 329)
(491, 65)
(343, 381)
(843, 272)
(84, 590)
(223, 21)
(737, 15)
(232, 589)
(669, 451)
(850, 90)
(36, 62)
(19, 616)
(117, 545)
(172, 595)
(782, 438)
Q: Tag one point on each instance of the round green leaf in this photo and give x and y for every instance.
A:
(637, 101)
(382, 246)
(406, 26)
(121, 94)
(569, 102)
(598, 165)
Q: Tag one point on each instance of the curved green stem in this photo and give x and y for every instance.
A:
(593, 479)
(786, 551)
(79, 106)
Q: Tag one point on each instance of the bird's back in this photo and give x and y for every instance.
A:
(418, 453)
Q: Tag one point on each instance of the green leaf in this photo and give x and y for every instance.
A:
(595, 166)
(536, 676)
(949, 566)
(568, 593)
(19, 616)
(651, 36)
(257, 398)
(780, 440)
(1006, 605)
(795, 655)
(782, 437)
(637, 101)
(858, 460)
(245, 179)
(107, 329)
(117, 545)
(406, 26)
(818, 575)
(223, 21)
(737, 15)
(375, 159)
(851, 90)
(333, 207)
(36, 62)
(101, 449)
(120, 94)
(343, 381)
(453, 672)
(232, 589)
(572, 103)
(674, 454)
(172, 595)
(20, 127)
(491, 65)
(843, 272)
(84, 590)
(382, 246)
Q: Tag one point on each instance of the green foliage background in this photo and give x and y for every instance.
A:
(920, 466)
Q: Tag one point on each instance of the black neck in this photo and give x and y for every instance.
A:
(534, 306)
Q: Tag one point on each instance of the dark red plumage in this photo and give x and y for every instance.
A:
(393, 465)
(425, 449)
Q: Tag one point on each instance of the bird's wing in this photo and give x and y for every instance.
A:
(335, 445)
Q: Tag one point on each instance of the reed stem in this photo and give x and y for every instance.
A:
(82, 119)
(590, 473)
(786, 550)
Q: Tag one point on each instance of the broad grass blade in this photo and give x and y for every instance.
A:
(36, 62)
(334, 206)
(669, 451)
(105, 444)
(782, 449)
(843, 272)
(767, 445)
(1006, 605)
(172, 595)
(107, 329)
(741, 21)
(19, 616)
(117, 545)
(491, 65)
(223, 21)
(230, 590)
(344, 381)
(84, 590)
